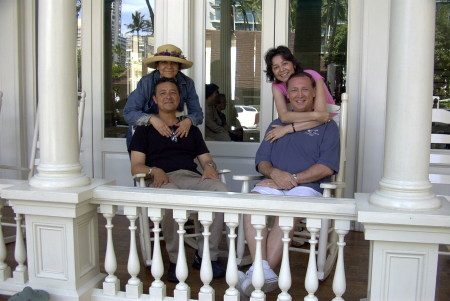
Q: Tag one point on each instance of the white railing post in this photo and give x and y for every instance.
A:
(134, 285)
(182, 290)
(157, 290)
(259, 223)
(232, 294)
(311, 279)
(206, 275)
(111, 284)
(5, 270)
(339, 282)
(285, 279)
(20, 274)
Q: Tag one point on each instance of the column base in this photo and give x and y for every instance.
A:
(65, 176)
(405, 196)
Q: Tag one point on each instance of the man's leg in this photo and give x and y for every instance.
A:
(169, 228)
(190, 180)
(269, 245)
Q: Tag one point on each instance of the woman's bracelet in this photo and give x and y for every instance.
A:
(293, 127)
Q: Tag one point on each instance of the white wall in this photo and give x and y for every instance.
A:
(17, 84)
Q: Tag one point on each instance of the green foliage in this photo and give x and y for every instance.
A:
(339, 52)
(117, 70)
(442, 53)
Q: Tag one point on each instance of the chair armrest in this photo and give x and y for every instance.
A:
(247, 177)
(140, 178)
(328, 187)
(245, 181)
(332, 185)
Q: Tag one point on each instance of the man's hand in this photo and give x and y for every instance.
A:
(160, 126)
(160, 178)
(183, 127)
(209, 172)
(283, 179)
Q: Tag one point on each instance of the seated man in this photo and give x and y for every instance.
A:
(168, 161)
(295, 164)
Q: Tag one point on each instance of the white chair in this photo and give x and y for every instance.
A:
(326, 248)
(440, 159)
(144, 226)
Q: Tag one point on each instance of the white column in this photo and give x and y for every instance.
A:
(405, 183)
(57, 78)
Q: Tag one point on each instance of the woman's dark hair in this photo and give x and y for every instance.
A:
(286, 54)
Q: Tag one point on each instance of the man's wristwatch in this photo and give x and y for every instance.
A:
(211, 164)
(150, 171)
(295, 177)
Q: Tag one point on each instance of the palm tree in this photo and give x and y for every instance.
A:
(152, 15)
(139, 24)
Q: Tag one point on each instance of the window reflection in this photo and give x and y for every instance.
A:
(233, 64)
(318, 39)
(128, 41)
(441, 89)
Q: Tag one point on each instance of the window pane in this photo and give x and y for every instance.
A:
(441, 91)
(318, 39)
(233, 63)
(128, 41)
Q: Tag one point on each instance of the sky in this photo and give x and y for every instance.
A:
(131, 6)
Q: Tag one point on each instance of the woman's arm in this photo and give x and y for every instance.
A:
(133, 112)
(289, 117)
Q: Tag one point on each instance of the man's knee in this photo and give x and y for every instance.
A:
(214, 185)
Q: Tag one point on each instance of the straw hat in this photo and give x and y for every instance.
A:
(168, 53)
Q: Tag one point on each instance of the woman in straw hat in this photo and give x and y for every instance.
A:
(140, 107)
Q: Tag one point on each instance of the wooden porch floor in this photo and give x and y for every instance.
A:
(356, 265)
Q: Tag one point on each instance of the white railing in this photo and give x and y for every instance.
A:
(109, 198)
(231, 205)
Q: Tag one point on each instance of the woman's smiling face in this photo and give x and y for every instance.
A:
(281, 68)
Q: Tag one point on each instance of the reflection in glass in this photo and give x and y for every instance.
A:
(441, 89)
(318, 39)
(233, 63)
(128, 41)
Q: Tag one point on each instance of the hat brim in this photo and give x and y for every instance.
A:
(151, 61)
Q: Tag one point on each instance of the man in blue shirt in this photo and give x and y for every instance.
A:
(295, 164)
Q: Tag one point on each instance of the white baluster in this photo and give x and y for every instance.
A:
(206, 275)
(285, 279)
(339, 282)
(111, 285)
(240, 240)
(158, 288)
(232, 294)
(134, 286)
(5, 270)
(20, 274)
(259, 223)
(182, 291)
(311, 279)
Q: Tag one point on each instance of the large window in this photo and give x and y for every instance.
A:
(128, 41)
(233, 63)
